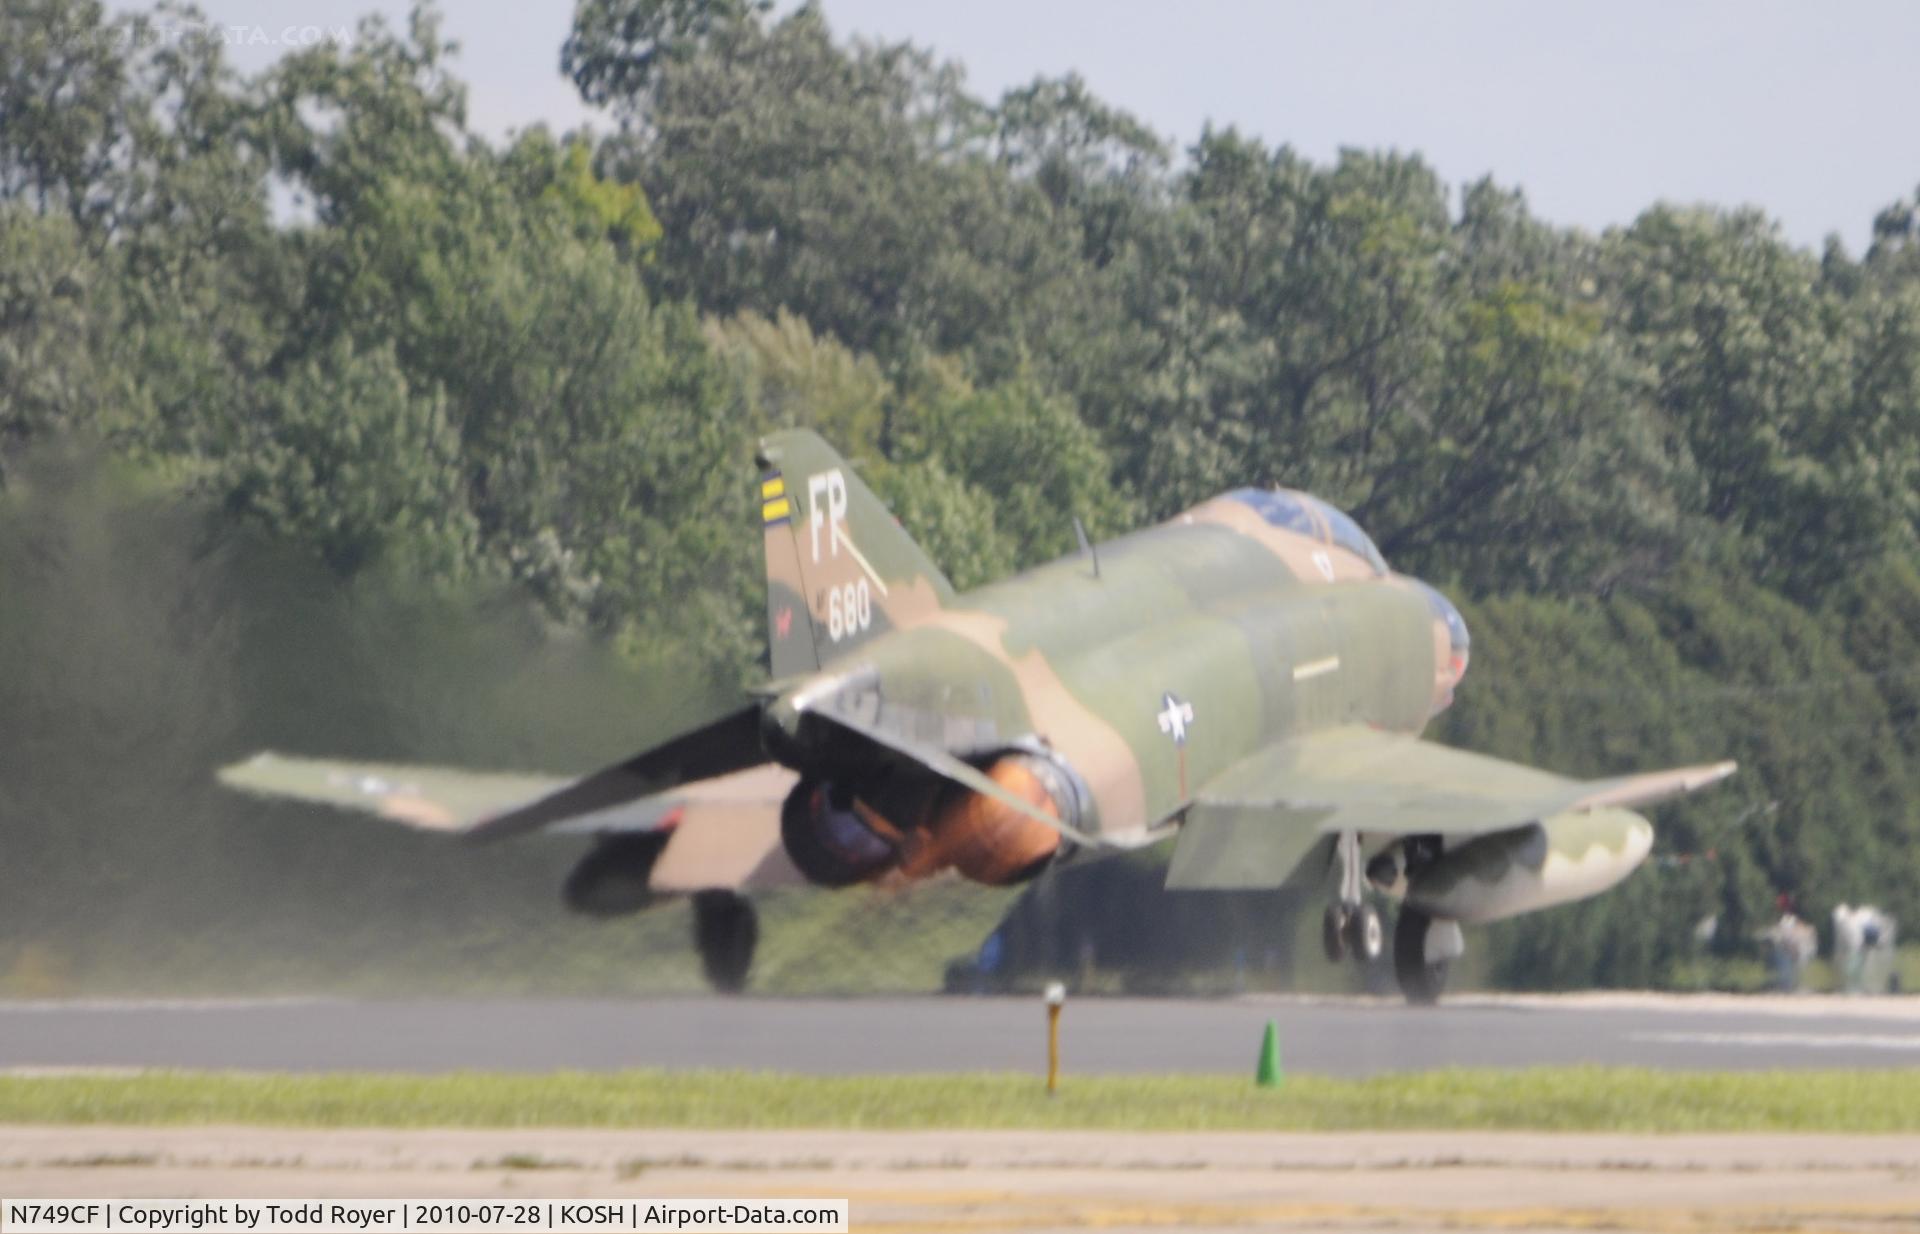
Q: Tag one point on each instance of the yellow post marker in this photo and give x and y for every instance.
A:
(1056, 998)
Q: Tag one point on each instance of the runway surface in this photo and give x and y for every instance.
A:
(1329, 1036)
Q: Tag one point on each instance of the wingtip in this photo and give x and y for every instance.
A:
(1718, 771)
(233, 774)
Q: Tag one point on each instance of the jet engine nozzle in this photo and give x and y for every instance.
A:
(835, 839)
(987, 840)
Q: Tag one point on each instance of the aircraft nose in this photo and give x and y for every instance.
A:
(1452, 645)
(1459, 641)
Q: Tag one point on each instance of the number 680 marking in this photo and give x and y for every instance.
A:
(849, 609)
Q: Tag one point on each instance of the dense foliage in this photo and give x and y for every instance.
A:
(1671, 466)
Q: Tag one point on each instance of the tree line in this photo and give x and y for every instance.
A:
(1670, 466)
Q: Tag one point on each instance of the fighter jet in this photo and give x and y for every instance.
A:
(1249, 678)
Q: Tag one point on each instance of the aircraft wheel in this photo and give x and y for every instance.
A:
(725, 929)
(1333, 933)
(1421, 982)
(1366, 937)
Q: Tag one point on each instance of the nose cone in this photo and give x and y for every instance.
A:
(1459, 642)
(1452, 645)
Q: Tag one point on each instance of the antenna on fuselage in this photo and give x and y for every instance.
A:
(1086, 545)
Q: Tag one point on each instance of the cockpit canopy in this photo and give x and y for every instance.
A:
(1309, 516)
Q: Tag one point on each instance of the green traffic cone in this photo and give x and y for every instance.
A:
(1267, 1075)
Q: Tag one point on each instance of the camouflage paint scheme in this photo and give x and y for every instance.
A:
(1248, 674)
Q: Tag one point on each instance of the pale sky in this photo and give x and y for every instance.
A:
(1596, 110)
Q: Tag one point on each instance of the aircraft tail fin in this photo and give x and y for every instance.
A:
(840, 568)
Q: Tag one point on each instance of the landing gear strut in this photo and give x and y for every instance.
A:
(725, 929)
(1351, 926)
(1333, 933)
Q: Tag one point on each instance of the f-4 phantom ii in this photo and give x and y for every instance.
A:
(1249, 678)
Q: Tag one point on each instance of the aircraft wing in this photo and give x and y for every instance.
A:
(1256, 825)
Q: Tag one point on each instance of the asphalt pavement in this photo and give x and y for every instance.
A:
(881, 1035)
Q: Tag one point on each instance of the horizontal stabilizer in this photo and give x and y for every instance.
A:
(729, 744)
(636, 795)
(430, 798)
(726, 834)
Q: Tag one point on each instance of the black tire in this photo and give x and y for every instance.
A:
(1333, 933)
(1420, 982)
(725, 929)
(1366, 936)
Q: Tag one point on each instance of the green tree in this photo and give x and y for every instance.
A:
(346, 458)
(1752, 364)
(51, 378)
(617, 46)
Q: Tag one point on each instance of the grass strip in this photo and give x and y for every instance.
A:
(1543, 1099)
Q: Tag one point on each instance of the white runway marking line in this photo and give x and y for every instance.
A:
(1812, 1041)
(92, 1005)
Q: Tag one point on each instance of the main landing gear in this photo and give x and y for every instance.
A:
(1423, 948)
(1354, 930)
(1421, 956)
(1351, 926)
(725, 929)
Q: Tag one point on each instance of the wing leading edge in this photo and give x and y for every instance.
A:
(1259, 822)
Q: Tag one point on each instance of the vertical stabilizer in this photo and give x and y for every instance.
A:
(840, 569)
